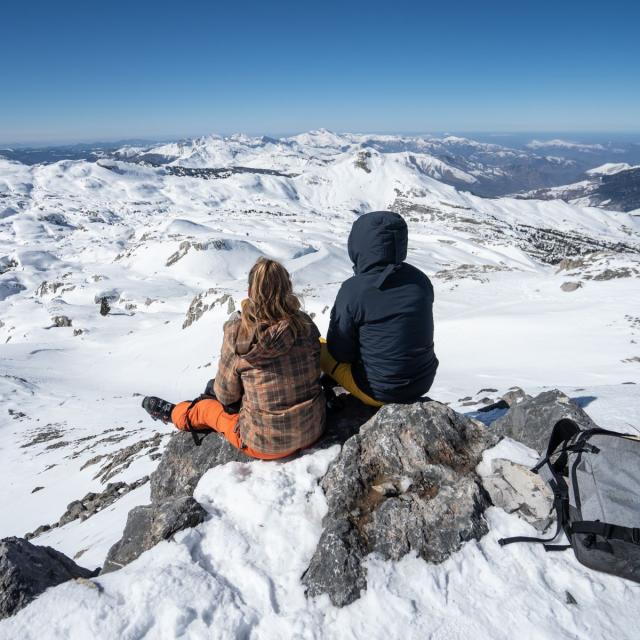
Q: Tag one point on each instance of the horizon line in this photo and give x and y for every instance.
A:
(103, 140)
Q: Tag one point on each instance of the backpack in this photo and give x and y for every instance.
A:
(595, 478)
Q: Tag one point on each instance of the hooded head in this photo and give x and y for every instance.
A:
(377, 239)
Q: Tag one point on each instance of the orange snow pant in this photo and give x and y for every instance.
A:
(342, 374)
(210, 414)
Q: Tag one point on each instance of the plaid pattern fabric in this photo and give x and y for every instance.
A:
(278, 380)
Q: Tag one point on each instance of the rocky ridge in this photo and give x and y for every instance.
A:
(408, 478)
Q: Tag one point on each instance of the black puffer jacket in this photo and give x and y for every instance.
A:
(382, 320)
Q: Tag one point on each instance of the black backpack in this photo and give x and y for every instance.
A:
(595, 478)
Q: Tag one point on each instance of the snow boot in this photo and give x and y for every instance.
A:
(158, 408)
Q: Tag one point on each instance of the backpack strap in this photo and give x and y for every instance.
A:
(561, 434)
(192, 431)
(560, 500)
(606, 530)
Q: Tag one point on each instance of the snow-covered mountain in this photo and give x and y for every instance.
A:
(614, 186)
(481, 168)
(166, 235)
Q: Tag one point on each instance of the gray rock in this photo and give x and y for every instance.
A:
(515, 395)
(91, 504)
(531, 421)
(149, 524)
(183, 463)
(516, 489)
(110, 295)
(405, 482)
(61, 321)
(7, 263)
(27, 570)
(336, 566)
(94, 502)
(206, 301)
(570, 286)
(114, 462)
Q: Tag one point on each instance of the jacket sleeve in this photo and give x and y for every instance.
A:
(228, 384)
(342, 337)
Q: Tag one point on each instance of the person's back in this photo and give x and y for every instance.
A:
(278, 377)
(382, 321)
(266, 398)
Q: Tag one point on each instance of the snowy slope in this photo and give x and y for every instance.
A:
(150, 241)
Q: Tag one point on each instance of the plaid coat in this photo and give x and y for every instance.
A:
(278, 381)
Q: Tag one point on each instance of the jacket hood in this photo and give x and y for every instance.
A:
(276, 341)
(377, 239)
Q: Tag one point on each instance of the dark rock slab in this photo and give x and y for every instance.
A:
(26, 570)
(149, 524)
(531, 421)
(405, 482)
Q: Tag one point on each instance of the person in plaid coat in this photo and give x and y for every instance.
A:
(266, 398)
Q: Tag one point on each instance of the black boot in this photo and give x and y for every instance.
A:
(158, 408)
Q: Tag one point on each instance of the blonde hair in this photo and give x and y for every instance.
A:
(271, 300)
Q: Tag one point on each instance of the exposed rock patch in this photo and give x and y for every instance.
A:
(52, 288)
(90, 504)
(7, 263)
(203, 302)
(27, 570)
(43, 434)
(531, 421)
(186, 246)
(570, 286)
(61, 321)
(121, 459)
(405, 482)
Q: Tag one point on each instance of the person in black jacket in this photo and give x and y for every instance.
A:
(379, 345)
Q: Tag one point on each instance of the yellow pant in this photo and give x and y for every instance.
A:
(341, 373)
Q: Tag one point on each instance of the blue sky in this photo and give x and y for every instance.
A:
(98, 70)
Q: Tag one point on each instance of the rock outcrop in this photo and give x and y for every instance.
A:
(61, 321)
(91, 504)
(531, 421)
(182, 465)
(172, 506)
(26, 570)
(406, 482)
(149, 524)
